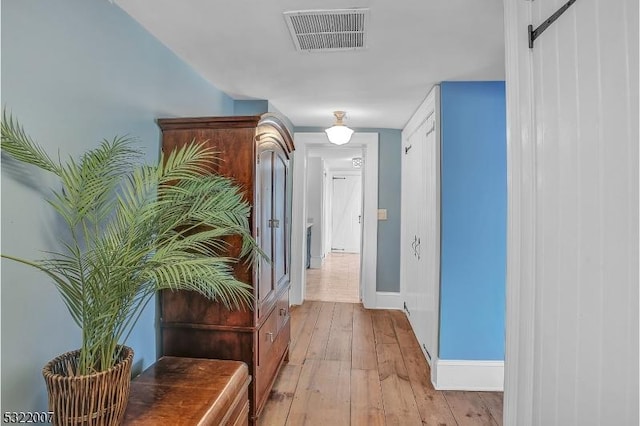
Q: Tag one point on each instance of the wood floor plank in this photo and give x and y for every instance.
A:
(468, 408)
(366, 398)
(409, 346)
(318, 344)
(323, 394)
(363, 353)
(494, 402)
(400, 406)
(300, 343)
(278, 405)
(432, 405)
(384, 383)
(382, 327)
(339, 342)
(300, 312)
(338, 280)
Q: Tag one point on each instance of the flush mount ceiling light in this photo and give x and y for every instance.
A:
(339, 134)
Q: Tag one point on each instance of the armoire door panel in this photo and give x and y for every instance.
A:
(279, 228)
(265, 174)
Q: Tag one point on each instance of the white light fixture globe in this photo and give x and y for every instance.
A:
(339, 134)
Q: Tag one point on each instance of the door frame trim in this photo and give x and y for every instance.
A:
(368, 141)
(522, 219)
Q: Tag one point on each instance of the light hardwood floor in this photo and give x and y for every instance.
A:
(337, 281)
(353, 366)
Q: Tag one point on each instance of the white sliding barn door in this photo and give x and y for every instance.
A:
(346, 215)
(572, 286)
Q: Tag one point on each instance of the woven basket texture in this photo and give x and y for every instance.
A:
(98, 399)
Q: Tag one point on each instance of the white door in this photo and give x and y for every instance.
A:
(428, 248)
(420, 255)
(346, 214)
(413, 210)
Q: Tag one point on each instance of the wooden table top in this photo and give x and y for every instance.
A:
(185, 391)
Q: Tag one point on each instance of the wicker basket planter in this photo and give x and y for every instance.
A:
(98, 399)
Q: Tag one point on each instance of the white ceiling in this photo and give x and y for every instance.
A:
(243, 47)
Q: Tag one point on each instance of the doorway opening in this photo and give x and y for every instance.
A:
(334, 273)
(334, 224)
(311, 150)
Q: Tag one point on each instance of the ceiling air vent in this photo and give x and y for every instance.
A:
(328, 30)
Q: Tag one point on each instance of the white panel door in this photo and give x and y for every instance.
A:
(346, 215)
(585, 80)
(572, 285)
(413, 207)
(420, 227)
(429, 235)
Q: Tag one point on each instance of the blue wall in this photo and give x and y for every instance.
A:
(250, 107)
(389, 177)
(474, 220)
(389, 174)
(74, 72)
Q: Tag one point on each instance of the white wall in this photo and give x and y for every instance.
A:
(572, 292)
(314, 208)
(326, 207)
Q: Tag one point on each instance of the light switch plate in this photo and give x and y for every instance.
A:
(382, 214)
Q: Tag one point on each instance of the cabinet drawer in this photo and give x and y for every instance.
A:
(282, 308)
(267, 335)
(239, 416)
(265, 373)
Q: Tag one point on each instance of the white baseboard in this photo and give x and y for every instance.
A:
(468, 375)
(316, 262)
(388, 300)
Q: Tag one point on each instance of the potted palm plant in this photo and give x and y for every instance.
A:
(131, 229)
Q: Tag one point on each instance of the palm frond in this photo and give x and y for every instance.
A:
(15, 142)
(134, 229)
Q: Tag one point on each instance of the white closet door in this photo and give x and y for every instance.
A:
(421, 233)
(420, 226)
(429, 244)
(413, 206)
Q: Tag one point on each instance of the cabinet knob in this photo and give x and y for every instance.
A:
(270, 336)
(283, 312)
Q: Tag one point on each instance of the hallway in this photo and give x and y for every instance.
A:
(353, 366)
(337, 281)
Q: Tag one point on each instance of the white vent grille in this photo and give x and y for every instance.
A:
(328, 30)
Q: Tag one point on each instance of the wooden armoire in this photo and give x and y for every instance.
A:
(255, 152)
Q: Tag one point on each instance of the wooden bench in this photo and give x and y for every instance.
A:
(190, 391)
